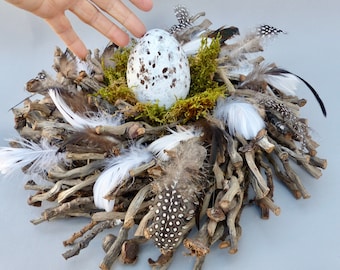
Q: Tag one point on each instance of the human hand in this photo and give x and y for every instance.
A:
(90, 12)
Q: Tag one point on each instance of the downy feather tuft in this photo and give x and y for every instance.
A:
(168, 142)
(43, 157)
(82, 122)
(241, 117)
(192, 47)
(118, 169)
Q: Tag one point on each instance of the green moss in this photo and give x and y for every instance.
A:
(151, 113)
(184, 110)
(115, 78)
(195, 107)
(203, 67)
(120, 57)
(117, 90)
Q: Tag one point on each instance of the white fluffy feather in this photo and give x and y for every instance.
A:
(192, 47)
(118, 169)
(241, 117)
(43, 157)
(81, 122)
(283, 81)
(286, 83)
(168, 142)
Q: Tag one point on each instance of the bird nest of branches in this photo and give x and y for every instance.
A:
(93, 148)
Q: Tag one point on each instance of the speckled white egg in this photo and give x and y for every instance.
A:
(158, 69)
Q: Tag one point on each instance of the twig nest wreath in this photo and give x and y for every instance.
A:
(158, 69)
(158, 140)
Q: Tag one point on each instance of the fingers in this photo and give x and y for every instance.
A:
(144, 5)
(124, 15)
(89, 14)
(62, 26)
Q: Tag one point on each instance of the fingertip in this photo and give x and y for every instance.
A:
(145, 5)
(140, 32)
(148, 5)
(79, 49)
(118, 37)
(62, 26)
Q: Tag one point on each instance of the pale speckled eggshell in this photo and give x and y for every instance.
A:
(158, 69)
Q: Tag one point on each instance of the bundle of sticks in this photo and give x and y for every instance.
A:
(98, 158)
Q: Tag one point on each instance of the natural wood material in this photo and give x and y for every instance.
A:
(174, 196)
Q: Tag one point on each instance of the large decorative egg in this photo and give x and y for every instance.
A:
(158, 69)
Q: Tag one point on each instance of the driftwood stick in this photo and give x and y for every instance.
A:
(312, 170)
(284, 178)
(134, 206)
(97, 228)
(259, 184)
(296, 156)
(219, 176)
(292, 175)
(267, 203)
(31, 185)
(52, 191)
(206, 201)
(163, 262)
(78, 206)
(102, 216)
(136, 171)
(76, 172)
(304, 161)
(35, 106)
(218, 234)
(49, 124)
(116, 130)
(132, 173)
(144, 223)
(233, 190)
(215, 214)
(231, 223)
(69, 192)
(198, 246)
(265, 144)
(115, 249)
(234, 156)
(319, 162)
(30, 134)
(230, 87)
(85, 156)
(283, 140)
(79, 234)
(268, 173)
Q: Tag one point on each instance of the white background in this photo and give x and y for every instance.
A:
(307, 233)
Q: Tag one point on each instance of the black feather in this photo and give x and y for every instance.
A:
(225, 33)
(311, 88)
